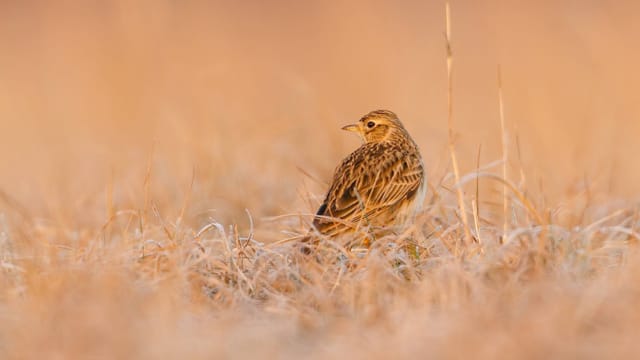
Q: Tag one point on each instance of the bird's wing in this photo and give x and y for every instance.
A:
(370, 182)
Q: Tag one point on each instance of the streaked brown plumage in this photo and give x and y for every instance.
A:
(379, 186)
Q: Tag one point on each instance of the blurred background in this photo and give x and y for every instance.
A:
(247, 98)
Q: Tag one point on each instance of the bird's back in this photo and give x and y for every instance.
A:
(377, 186)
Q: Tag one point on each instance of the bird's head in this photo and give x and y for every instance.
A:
(377, 126)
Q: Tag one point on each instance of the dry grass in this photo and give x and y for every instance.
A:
(154, 165)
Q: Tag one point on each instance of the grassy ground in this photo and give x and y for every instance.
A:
(154, 164)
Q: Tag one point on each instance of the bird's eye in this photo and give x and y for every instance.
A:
(371, 124)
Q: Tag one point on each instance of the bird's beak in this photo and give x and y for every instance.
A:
(353, 128)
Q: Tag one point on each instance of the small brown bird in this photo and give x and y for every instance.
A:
(377, 188)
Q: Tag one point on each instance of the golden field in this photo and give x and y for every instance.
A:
(155, 156)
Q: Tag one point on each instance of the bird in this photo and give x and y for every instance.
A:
(377, 188)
